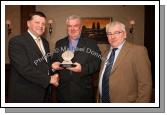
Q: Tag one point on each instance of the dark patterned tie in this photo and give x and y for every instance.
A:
(105, 81)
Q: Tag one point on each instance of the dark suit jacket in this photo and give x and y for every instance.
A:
(29, 71)
(77, 87)
(130, 78)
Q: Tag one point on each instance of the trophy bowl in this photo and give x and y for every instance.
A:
(67, 56)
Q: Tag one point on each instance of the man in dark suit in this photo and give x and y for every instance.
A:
(75, 82)
(129, 77)
(29, 59)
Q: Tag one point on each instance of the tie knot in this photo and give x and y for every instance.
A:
(114, 49)
(38, 39)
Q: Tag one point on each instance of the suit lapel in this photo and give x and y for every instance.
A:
(46, 48)
(103, 61)
(34, 46)
(121, 56)
(119, 59)
(81, 44)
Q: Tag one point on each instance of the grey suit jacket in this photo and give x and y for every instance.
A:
(130, 79)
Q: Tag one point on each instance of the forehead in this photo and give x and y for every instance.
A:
(114, 28)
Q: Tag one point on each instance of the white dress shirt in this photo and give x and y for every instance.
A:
(41, 43)
(104, 67)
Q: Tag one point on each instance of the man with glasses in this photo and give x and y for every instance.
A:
(125, 75)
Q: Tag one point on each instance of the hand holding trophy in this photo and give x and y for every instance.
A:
(67, 56)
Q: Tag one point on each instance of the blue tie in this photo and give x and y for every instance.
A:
(105, 81)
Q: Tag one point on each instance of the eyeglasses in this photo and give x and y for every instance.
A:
(115, 33)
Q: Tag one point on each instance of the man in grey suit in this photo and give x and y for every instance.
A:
(30, 63)
(75, 85)
(128, 79)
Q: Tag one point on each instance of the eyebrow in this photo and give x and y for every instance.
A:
(115, 31)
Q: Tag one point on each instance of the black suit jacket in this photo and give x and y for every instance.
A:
(29, 79)
(76, 87)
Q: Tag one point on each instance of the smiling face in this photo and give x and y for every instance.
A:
(37, 25)
(74, 28)
(116, 35)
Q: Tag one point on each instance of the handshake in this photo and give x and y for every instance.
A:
(54, 80)
(56, 66)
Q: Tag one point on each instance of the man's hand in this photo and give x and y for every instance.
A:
(77, 68)
(54, 80)
(56, 66)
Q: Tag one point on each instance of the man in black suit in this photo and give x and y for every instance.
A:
(75, 82)
(29, 59)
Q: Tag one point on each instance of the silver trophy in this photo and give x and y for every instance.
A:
(67, 57)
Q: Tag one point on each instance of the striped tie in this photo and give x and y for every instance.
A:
(105, 81)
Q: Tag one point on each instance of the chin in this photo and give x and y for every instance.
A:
(113, 45)
(74, 37)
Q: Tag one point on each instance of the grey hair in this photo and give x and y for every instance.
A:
(114, 23)
(72, 17)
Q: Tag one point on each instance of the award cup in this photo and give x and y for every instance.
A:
(67, 56)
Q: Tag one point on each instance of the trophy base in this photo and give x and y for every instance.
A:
(67, 65)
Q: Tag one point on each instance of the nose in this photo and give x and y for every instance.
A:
(72, 28)
(111, 36)
(41, 25)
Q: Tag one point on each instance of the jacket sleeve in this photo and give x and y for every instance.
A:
(144, 77)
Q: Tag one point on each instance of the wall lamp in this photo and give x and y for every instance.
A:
(50, 22)
(132, 23)
(9, 29)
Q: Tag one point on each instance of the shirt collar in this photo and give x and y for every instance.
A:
(119, 47)
(33, 36)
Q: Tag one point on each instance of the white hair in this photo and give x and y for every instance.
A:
(114, 23)
(72, 17)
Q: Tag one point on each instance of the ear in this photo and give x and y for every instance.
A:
(125, 34)
(28, 23)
